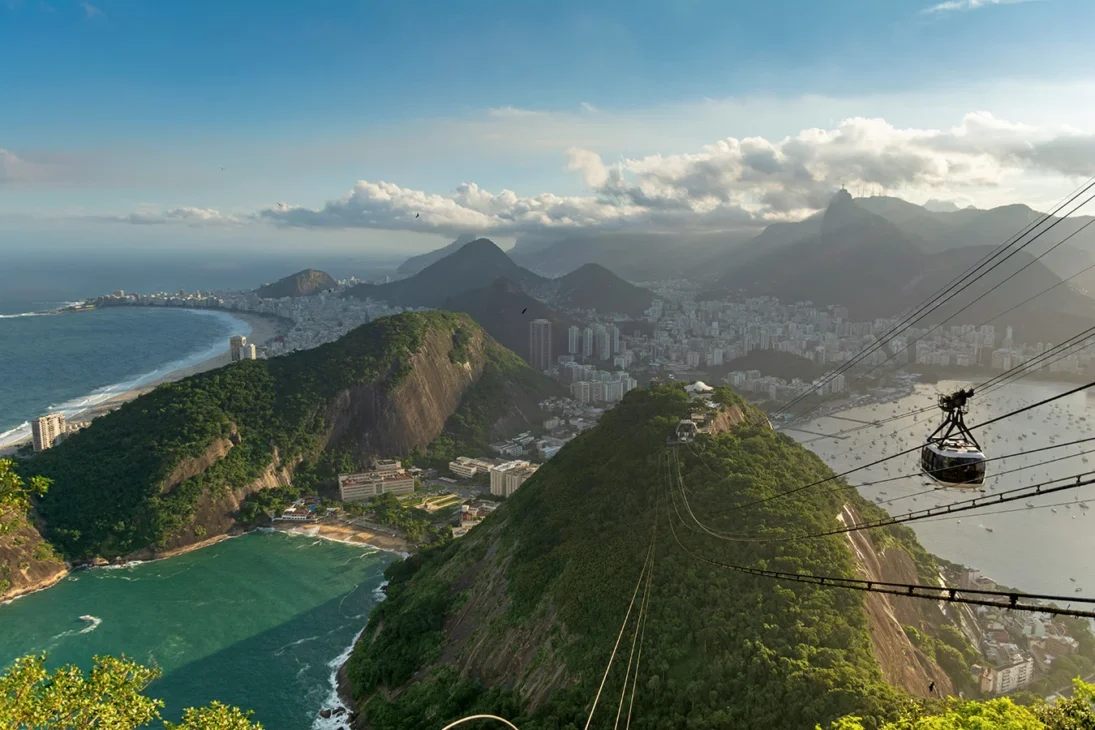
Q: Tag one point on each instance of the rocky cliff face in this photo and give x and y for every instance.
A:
(414, 412)
(903, 665)
(27, 562)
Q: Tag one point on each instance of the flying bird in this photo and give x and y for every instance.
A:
(524, 310)
(931, 687)
(416, 215)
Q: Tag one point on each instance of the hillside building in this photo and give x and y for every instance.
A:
(388, 477)
(506, 478)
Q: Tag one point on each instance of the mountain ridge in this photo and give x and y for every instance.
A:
(301, 284)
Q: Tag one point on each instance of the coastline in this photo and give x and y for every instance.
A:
(264, 328)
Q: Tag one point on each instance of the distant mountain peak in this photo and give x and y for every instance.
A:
(301, 284)
(842, 211)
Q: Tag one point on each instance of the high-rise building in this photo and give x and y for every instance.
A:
(539, 349)
(45, 430)
(615, 339)
(587, 342)
(249, 352)
(574, 339)
(236, 345)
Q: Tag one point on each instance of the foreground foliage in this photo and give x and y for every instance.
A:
(108, 697)
(1073, 713)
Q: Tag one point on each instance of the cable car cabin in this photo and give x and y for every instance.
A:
(954, 462)
(685, 433)
(951, 455)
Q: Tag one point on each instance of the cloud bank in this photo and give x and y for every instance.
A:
(730, 183)
(195, 217)
(952, 5)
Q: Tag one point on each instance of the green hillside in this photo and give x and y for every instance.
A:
(112, 491)
(559, 561)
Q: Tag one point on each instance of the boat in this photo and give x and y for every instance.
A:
(1083, 505)
(1072, 579)
(988, 529)
(89, 619)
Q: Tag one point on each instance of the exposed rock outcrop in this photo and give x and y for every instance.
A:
(903, 665)
(27, 562)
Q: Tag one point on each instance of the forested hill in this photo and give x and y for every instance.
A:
(520, 616)
(172, 467)
(301, 284)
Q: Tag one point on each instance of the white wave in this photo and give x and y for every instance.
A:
(333, 701)
(73, 408)
(39, 313)
(93, 623)
(298, 642)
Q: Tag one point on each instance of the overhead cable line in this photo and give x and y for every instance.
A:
(952, 290)
(640, 622)
(949, 594)
(989, 422)
(623, 626)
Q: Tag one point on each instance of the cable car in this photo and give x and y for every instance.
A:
(951, 455)
(685, 433)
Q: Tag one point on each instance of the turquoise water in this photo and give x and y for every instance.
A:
(257, 621)
(70, 361)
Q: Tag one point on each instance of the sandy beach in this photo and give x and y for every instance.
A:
(263, 330)
(351, 534)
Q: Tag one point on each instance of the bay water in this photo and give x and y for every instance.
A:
(259, 621)
(1042, 544)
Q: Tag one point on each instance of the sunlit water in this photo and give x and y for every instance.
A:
(258, 621)
(1038, 548)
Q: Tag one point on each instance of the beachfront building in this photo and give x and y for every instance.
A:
(363, 486)
(507, 477)
(46, 430)
(236, 346)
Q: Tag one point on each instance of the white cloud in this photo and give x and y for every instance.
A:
(730, 183)
(952, 5)
(196, 217)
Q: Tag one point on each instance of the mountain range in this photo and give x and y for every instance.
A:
(863, 255)
(478, 264)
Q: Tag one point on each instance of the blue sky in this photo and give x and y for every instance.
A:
(118, 106)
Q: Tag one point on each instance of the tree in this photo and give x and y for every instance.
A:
(108, 698)
(14, 492)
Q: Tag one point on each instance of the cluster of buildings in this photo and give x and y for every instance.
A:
(386, 477)
(316, 319)
(471, 515)
(1018, 647)
(505, 476)
(694, 335)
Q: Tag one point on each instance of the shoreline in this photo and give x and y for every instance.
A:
(264, 328)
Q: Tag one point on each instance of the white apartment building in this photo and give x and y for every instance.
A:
(1014, 675)
(46, 430)
(506, 478)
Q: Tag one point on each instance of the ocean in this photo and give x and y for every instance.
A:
(1043, 548)
(68, 362)
(259, 621)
